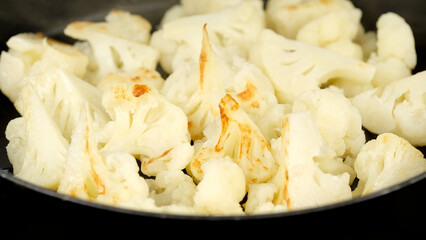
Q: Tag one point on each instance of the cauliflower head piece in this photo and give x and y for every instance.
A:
(335, 31)
(222, 189)
(396, 54)
(36, 148)
(387, 161)
(239, 139)
(63, 96)
(173, 191)
(144, 124)
(198, 7)
(233, 28)
(395, 39)
(288, 17)
(109, 178)
(120, 44)
(197, 89)
(338, 121)
(294, 66)
(33, 53)
(300, 181)
(260, 199)
(398, 107)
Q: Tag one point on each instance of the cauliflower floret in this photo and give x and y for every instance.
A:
(388, 70)
(141, 76)
(398, 107)
(387, 161)
(301, 182)
(396, 54)
(233, 29)
(294, 67)
(288, 17)
(172, 188)
(260, 199)
(334, 31)
(197, 89)
(395, 39)
(63, 96)
(110, 178)
(144, 124)
(238, 138)
(117, 45)
(31, 53)
(222, 188)
(338, 121)
(198, 7)
(36, 147)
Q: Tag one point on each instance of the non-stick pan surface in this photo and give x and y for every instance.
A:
(399, 209)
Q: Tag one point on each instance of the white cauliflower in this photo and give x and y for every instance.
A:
(36, 147)
(288, 17)
(387, 161)
(172, 188)
(145, 125)
(387, 71)
(398, 107)
(396, 54)
(31, 53)
(197, 89)
(260, 198)
(238, 138)
(301, 182)
(117, 45)
(140, 76)
(395, 39)
(335, 31)
(110, 178)
(338, 121)
(198, 7)
(233, 29)
(63, 96)
(222, 188)
(294, 67)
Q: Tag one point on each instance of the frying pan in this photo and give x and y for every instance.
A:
(398, 209)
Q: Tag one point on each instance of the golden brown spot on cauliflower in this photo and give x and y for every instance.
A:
(139, 90)
(190, 124)
(285, 140)
(145, 74)
(255, 104)
(151, 160)
(248, 93)
(120, 93)
(204, 55)
(226, 105)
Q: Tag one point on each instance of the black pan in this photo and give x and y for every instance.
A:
(397, 210)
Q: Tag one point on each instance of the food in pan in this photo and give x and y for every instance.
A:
(262, 110)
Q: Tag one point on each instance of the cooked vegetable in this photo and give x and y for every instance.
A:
(398, 107)
(117, 45)
(31, 54)
(110, 178)
(36, 148)
(295, 66)
(387, 161)
(145, 125)
(248, 120)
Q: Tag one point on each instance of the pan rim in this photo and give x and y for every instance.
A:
(7, 175)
